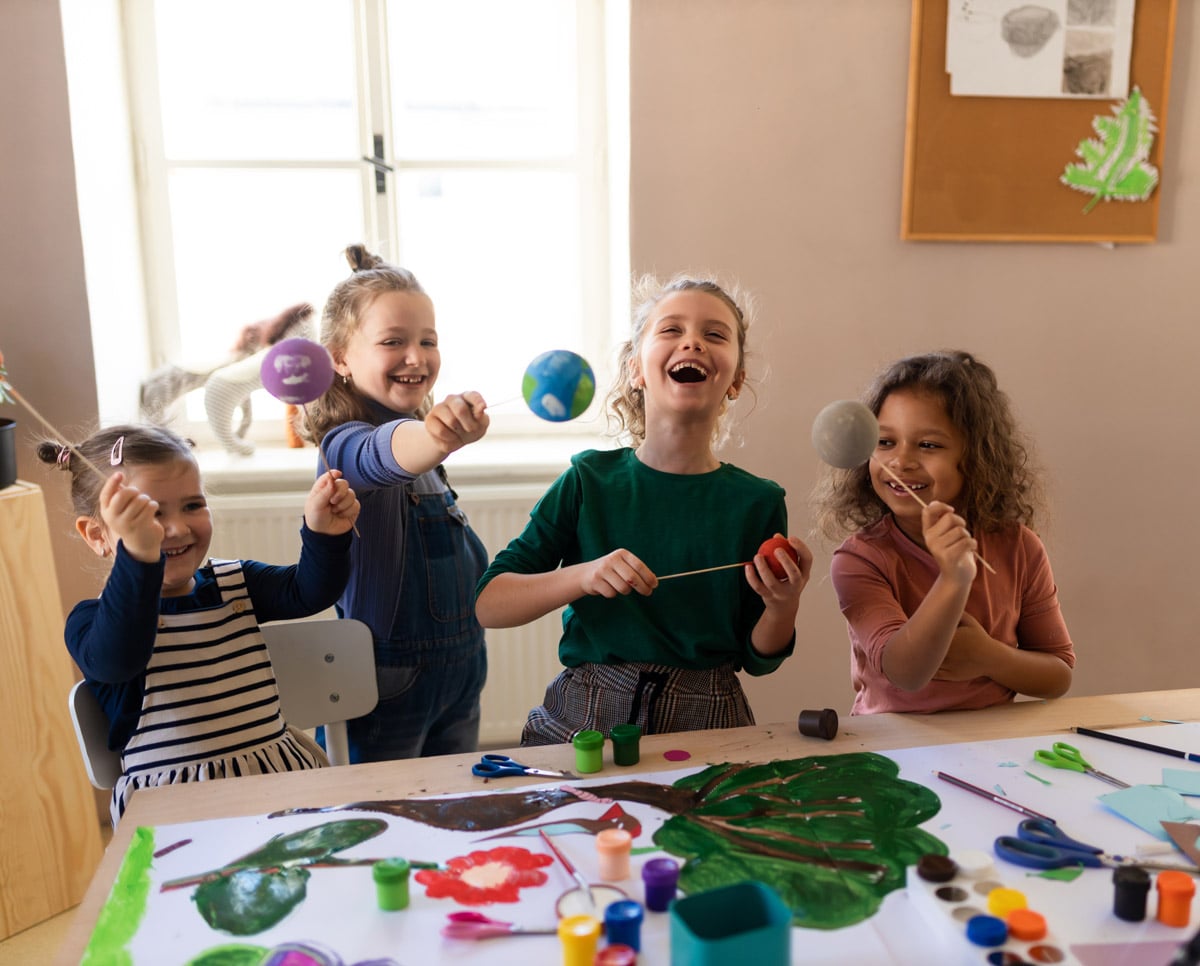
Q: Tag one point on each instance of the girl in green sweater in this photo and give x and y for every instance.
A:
(637, 650)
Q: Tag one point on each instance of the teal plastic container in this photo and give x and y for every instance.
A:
(742, 923)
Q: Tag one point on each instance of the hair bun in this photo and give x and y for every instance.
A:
(362, 260)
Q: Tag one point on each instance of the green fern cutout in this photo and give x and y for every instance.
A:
(1115, 166)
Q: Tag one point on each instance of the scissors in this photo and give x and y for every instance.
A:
(500, 766)
(1062, 755)
(1040, 844)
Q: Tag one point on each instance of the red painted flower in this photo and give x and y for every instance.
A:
(497, 875)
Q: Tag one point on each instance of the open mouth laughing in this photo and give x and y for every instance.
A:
(688, 371)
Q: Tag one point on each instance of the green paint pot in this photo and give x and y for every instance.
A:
(742, 923)
(391, 884)
(625, 738)
(589, 751)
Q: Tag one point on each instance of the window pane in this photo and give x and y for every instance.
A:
(498, 254)
(272, 79)
(250, 243)
(505, 87)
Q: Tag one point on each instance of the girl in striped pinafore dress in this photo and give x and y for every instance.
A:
(210, 705)
(171, 648)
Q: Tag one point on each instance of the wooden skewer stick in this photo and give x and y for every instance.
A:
(54, 432)
(705, 570)
(911, 492)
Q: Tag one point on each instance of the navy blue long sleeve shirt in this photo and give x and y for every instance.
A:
(112, 637)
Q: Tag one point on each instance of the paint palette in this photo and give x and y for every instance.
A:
(948, 907)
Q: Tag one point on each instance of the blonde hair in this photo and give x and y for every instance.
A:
(370, 276)
(626, 407)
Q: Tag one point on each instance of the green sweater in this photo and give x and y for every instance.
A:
(608, 499)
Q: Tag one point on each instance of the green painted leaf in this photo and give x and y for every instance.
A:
(248, 902)
(832, 834)
(1116, 166)
(312, 844)
(233, 954)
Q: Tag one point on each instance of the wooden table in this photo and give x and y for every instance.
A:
(435, 776)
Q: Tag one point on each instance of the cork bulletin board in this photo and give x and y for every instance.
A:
(988, 168)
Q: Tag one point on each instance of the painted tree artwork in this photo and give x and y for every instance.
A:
(832, 835)
(1115, 166)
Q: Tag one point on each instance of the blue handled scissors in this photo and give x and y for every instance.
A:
(500, 766)
(1062, 755)
(1040, 844)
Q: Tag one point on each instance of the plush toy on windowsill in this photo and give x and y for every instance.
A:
(227, 384)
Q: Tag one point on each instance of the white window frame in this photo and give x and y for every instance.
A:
(120, 163)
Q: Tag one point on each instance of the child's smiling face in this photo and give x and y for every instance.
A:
(923, 448)
(393, 356)
(183, 514)
(689, 359)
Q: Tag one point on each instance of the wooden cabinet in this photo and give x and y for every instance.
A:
(49, 833)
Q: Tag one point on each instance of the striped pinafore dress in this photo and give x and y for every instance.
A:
(211, 706)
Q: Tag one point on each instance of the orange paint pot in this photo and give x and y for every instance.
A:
(1175, 891)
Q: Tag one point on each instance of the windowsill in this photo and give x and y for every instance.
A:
(500, 460)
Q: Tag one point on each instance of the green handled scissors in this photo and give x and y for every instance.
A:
(1062, 755)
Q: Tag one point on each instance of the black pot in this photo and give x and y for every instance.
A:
(8, 452)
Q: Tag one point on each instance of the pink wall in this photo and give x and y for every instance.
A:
(767, 145)
(44, 328)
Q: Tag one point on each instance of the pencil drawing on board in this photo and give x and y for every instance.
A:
(1052, 48)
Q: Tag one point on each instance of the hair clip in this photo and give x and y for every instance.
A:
(64, 458)
(118, 452)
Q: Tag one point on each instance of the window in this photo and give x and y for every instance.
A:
(469, 140)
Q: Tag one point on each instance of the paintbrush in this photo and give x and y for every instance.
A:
(575, 873)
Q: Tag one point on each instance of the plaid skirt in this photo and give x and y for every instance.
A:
(660, 699)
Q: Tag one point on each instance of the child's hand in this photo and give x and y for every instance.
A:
(457, 421)
(785, 591)
(616, 573)
(132, 518)
(947, 538)
(970, 653)
(331, 506)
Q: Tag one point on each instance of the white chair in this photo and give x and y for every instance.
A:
(91, 731)
(326, 674)
(325, 669)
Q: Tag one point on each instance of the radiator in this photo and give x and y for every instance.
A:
(521, 660)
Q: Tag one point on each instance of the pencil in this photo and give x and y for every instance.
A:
(998, 799)
(1133, 743)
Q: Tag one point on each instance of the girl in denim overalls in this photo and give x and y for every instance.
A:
(417, 561)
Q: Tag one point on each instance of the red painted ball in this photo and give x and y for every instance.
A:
(768, 549)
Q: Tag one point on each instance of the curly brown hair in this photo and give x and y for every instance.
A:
(1000, 484)
(370, 276)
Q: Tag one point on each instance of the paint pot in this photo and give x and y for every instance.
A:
(742, 923)
(8, 452)
(625, 739)
(579, 936)
(589, 751)
(661, 878)
(618, 955)
(391, 884)
(1175, 891)
(573, 902)
(1130, 887)
(987, 931)
(1026, 925)
(612, 848)
(623, 924)
(819, 724)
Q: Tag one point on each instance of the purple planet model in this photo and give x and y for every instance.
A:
(297, 371)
